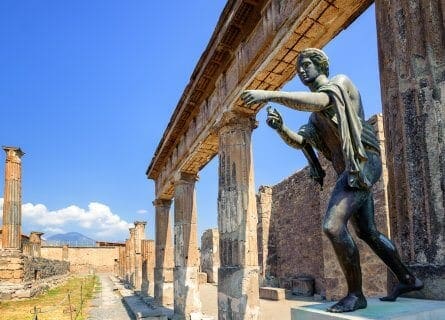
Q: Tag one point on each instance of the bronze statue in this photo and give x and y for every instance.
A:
(338, 130)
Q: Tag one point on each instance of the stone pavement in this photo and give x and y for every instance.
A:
(108, 303)
(116, 302)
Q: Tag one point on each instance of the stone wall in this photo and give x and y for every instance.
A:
(295, 244)
(40, 268)
(84, 259)
(22, 276)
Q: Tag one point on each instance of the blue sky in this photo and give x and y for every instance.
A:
(88, 87)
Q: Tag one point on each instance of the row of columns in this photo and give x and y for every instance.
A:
(136, 260)
(237, 222)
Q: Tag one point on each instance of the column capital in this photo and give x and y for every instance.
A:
(35, 236)
(236, 119)
(162, 203)
(185, 177)
(13, 153)
(136, 223)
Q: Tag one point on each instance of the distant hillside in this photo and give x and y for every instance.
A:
(70, 238)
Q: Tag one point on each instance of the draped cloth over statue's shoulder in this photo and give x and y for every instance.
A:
(353, 131)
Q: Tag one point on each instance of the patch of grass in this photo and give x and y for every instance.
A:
(54, 304)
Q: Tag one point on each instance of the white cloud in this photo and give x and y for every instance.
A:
(97, 221)
(142, 211)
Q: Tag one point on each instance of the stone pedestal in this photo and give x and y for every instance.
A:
(186, 286)
(402, 309)
(12, 205)
(11, 267)
(163, 272)
(35, 241)
(412, 67)
(238, 288)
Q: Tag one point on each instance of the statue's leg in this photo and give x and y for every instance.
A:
(344, 202)
(363, 222)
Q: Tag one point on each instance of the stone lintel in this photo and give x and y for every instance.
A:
(266, 60)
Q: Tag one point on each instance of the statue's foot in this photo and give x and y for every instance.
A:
(349, 303)
(402, 288)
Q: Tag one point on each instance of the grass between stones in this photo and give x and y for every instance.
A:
(68, 301)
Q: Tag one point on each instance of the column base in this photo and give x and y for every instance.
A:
(163, 286)
(238, 293)
(186, 289)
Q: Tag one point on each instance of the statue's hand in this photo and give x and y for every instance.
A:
(255, 96)
(274, 119)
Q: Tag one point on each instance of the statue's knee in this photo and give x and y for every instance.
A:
(332, 231)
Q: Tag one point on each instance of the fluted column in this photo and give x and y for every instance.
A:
(139, 235)
(412, 67)
(132, 256)
(121, 273)
(12, 202)
(35, 242)
(237, 221)
(127, 261)
(186, 289)
(163, 288)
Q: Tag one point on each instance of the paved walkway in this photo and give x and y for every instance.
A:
(108, 303)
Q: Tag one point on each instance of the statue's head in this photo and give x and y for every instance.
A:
(312, 56)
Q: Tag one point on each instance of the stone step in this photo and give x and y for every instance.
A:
(271, 293)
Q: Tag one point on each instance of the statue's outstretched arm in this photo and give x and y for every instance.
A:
(298, 100)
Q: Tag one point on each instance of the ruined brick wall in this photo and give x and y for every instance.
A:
(41, 268)
(296, 244)
(296, 228)
(85, 259)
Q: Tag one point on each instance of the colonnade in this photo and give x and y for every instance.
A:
(136, 260)
(176, 272)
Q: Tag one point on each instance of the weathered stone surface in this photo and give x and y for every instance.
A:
(210, 254)
(238, 296)
(12, 205)
(202, 277)
(148, 265)
(412, 69)
(164, 254)
(270, 293)
(186, 287)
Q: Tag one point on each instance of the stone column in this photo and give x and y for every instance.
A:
(163, 287)
(12, 205)
(186, 288)
(121, 262)
(127, 261)
(65, 254)
(264, 202)
(139, 235)
(412, 68)
(35, 241)
(237, 221)
(148, 263)
(210, 254)
(131, 257)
